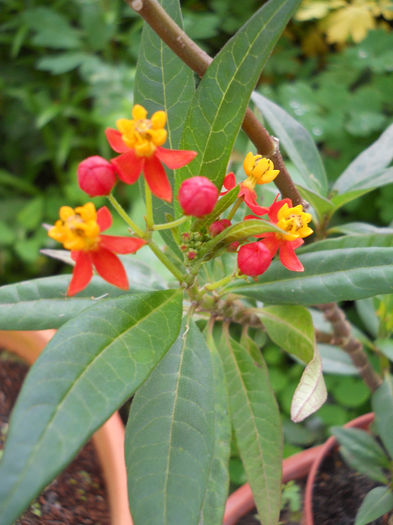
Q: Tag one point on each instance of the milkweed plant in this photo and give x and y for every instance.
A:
(248, 252)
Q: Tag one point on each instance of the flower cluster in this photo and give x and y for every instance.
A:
(139, 143)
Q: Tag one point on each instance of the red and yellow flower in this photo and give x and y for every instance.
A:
(79, 230)
(294, 221)
(139, 141)
(259, 170)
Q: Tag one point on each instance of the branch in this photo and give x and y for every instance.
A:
(192, 55)
(343, 337)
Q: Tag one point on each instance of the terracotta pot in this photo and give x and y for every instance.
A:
(108, 440)
(362, 422)
(241, 501)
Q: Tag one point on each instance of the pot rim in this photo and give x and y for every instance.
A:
(362, 422)
(108, 439)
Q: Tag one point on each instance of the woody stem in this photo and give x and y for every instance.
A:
(192, 55)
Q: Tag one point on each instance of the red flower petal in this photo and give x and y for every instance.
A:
(128, 166)
(250, 198)
(174, 158)
(275, 207)
(156, 178)
(121, 244)
(288, 256)
(115, 141)
(82, 274)
(104, 218)
(229, 182)
(110, 267)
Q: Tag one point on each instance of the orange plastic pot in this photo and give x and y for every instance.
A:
(362, 422)
(241, 501)
(108, 440)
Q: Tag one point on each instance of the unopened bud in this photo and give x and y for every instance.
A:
(254, 258)
(198, 196)
(96, 176)
(219, 226)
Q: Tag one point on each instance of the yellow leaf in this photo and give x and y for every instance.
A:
(353, 21)
(310, 9)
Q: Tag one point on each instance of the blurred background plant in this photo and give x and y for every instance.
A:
(67, 73)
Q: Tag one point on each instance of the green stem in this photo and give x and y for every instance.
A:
(123, 214)
(234, 209)
(221, 282)
(170, 225)
(149, 207)
(167, 262)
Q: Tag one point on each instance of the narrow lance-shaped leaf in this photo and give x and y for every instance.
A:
(358, 240)
(90, 367)
(164, 82)
(256, 422)
(42, 303)
(220, 101)
(216, 491)
(297, 142)
(369, 163)
(378, 502)
(382, 403)
(170, 435)
(291, 328)
(331, 275)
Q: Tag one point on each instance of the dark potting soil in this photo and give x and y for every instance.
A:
(338, 493)
(77, 496)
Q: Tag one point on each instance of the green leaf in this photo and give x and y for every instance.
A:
(336, 361)
(51, 28)
(386, 347)
(341, 199)
(331, 275)
(42, 303)
(238, 232)
(378, 502)
(256, 421)
(291, 328)
(164, 82)
(382, 403)
(358, 227)
(321, 205)
(62, 62)
(361, 172)
(297, 142)
(216, 491)
(360, 451)
(89, 368)
(170, 435)
(382, 240)
(219, 104)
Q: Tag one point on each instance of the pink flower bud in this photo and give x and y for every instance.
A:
(254, 258)
(197, 196)
(219, 226)
(96, 176)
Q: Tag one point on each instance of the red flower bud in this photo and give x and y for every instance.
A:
(219, 226)
(96, 176)
(253, 258)
(197, 196)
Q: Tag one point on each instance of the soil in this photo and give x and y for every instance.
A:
(77, 496)
(339, 491)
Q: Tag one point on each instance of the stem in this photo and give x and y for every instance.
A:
(170, 225)
(149, 207)
(192, 55)
(123, 214)
(234, 209)
(221, 282)
(167, 262)
(344, 338)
